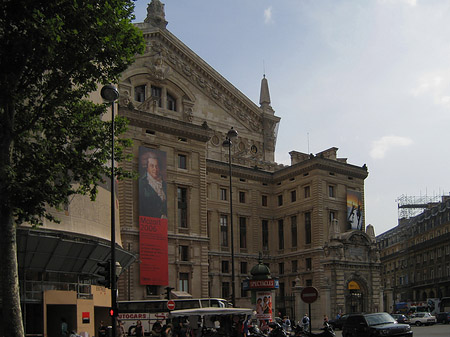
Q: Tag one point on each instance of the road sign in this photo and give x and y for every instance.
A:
(309, 294)
(170, 305)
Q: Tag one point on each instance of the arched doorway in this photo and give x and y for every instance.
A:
(354, 298)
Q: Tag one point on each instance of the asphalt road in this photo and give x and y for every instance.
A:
(437, 330)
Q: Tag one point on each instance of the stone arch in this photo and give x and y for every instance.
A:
(356, 294)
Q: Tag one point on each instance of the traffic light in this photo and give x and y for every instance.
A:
(168, 291)
(112, 312)
(105, 271)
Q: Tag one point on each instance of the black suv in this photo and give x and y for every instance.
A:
(371, 325)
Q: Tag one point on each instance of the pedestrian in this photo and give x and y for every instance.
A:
(286, 323)
(305, 322)
(102, 329)
(64, 328)
(325, 319)
(139, 330)
(120, 329)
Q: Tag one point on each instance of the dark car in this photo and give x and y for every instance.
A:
(372, 325)
(443, 317)
(400, 318)
(338, 322)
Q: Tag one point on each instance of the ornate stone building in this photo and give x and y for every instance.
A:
(296, 215)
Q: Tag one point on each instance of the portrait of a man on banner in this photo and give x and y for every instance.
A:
(153, 237)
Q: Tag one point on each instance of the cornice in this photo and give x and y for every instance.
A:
(167, 125)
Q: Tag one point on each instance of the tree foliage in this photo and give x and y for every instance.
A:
(53, 141)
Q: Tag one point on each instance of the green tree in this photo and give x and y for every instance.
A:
(53, 142)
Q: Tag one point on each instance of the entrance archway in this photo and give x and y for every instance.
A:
(355, 299)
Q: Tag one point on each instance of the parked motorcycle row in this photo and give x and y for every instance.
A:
(277, 330)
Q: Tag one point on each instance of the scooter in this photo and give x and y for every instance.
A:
(327, 332)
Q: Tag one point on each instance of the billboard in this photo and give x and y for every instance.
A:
(354, 209)
(264, 305)
(153, 241)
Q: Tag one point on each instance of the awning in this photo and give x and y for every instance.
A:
(45, 250)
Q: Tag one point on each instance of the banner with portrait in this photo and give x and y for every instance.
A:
(153, 239)
(354, 209)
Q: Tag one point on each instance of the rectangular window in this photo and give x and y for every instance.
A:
(171, 102)
(265, 234)
(293, 196)
(182, 161)
(332, 216)
(294, 231)
(225, 290)
(225, 267)
(224, 230)
(223, 194)
(294, 266)
(280, 200)
(307, 227)
(242, 197)
(307, 191)
(244, 268)
(139, 93)
(281, 268)
(308, 262)
(184, 282)
(242, 232)
(282, 289)
(182, 205)
(309, 283)
(184, 253)
(331, 191)
(280, 234)
(244, 293)
(156, 95)
(264, 200)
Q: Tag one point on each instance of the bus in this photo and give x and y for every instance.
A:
(151, 311)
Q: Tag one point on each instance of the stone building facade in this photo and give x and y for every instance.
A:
(295, 215)
(416, 257)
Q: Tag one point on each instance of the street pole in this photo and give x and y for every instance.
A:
(111, 94)
(231, 134)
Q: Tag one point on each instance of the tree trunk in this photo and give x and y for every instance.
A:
(12, 312)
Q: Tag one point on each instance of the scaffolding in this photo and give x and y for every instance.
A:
(410, 206)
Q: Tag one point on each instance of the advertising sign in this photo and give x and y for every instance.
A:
(264, 305)
(354, 209)
(153, 240)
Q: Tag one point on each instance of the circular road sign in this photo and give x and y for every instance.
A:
(170, 304)
(309, 294)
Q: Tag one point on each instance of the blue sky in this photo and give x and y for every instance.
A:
(369, 77)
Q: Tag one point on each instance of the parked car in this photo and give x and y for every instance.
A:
(337, 323)
(372, 325)
(400, 318)
(443, 317)
(424, 318)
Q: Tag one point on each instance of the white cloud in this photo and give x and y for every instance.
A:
(268, 15)
(384, 144)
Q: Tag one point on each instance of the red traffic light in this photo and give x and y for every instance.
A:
(112, 312)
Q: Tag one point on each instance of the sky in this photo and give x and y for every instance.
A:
(371, 78)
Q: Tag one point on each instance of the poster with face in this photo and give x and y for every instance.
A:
(354, 210)
(264, 305)
(153, 238)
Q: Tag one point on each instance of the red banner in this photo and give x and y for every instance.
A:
(153, 251)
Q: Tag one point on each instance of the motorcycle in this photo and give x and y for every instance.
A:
(276, 330)
(327, 332)
(253, 331)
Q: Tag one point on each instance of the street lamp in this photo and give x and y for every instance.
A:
(231, 134)
(110, 94)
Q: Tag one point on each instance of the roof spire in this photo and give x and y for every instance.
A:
(264, 97)
(156, 15)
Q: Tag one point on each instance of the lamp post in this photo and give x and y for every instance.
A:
(110, 94)
(231, 134)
